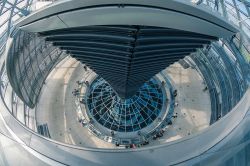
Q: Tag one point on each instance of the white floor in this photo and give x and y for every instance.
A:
(56, 106)
(194, 108)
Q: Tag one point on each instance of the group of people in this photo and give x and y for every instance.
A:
(133, 146)
(76, 92)
(158, 134)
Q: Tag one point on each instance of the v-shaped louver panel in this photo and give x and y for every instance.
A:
(127, 56)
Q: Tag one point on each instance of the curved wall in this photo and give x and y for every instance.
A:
(205, 145)
(30, 59)
(225, 143)
(166, 154)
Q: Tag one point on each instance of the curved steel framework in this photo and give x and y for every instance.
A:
(30, 60)
(124, 115)
(130, 121)
(10, 12)
(225, 143)
(238, 12)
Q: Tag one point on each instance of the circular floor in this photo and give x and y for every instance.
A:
(57, 107)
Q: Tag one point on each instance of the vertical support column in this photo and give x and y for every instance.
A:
(2, 7)
(223, 7)
(240, 23)
(10, 17)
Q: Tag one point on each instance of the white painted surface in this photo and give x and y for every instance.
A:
(57, 108)
(164, 154)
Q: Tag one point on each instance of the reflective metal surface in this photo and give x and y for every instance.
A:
(224, 143)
